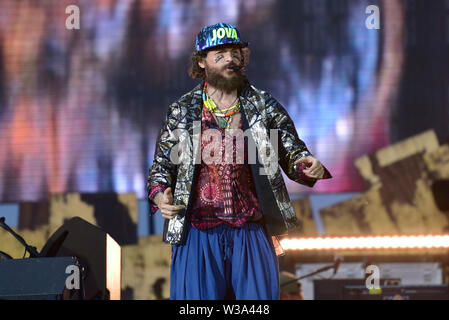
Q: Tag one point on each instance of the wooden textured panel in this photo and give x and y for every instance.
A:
(33, 215)
(304, 213)
(114, 213)
(400, 199)
(361, 215)
(369, 165)
(421, 143)
(437, 162)
(146, 269)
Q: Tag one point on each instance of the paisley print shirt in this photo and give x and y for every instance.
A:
(224, 192)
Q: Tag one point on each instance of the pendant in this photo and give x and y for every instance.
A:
(222, 123)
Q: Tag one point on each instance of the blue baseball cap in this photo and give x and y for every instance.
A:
(217, 35)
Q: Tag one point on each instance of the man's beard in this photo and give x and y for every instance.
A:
(215, 79)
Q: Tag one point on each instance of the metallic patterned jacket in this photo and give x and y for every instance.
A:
(269, 127)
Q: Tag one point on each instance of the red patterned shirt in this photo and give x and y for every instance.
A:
(224, 192)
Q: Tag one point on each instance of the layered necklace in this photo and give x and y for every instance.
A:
(224, 116)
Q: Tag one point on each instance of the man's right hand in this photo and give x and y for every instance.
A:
(165, 203)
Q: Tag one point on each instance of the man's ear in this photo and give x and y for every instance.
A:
(201, 63)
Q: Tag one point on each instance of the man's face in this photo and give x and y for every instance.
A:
(218, 63)
(221, 59)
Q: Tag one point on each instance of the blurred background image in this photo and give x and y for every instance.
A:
(80, 109)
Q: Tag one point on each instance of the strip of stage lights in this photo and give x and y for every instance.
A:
(372, 243)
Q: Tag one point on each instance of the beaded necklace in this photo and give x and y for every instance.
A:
(223, 117)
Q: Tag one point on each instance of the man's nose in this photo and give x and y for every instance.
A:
(228, 57)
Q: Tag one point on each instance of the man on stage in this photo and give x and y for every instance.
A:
(225, 206)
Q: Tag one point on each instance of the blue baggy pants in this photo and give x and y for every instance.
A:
(225, 263)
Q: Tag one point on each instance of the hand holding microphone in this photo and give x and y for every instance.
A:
(165, 203)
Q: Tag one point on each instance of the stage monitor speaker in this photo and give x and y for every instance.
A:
(98, 253)
(36, 279)
(423, 292)
(333, 289)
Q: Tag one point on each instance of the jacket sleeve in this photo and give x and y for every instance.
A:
(162, 173)
(290, 147)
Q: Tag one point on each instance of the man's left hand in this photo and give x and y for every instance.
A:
(314, 168)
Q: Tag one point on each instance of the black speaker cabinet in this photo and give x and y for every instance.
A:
(98, 253)
(423, 292)
(37, 279)
(333, 289)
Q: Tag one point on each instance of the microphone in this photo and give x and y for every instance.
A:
(337, 262)
(32, 250)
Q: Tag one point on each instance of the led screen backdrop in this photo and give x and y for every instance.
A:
(80, 109)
